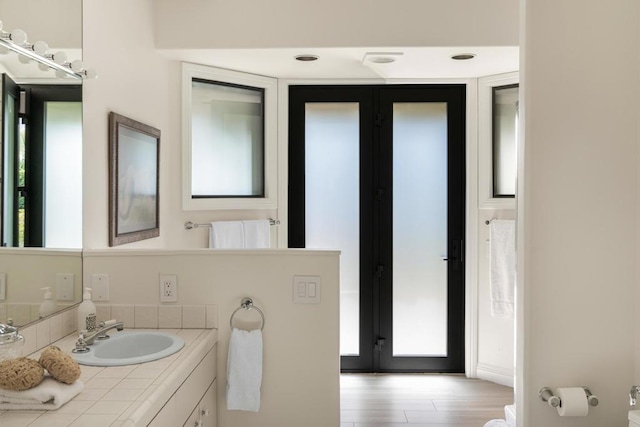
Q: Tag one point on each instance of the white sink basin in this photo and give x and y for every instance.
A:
(130, 348)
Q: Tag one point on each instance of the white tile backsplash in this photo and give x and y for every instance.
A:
(170, 316)
(146, 316)
(124, 313)
(43, 334)
(212, 316)
(193, 316)
(103, 312)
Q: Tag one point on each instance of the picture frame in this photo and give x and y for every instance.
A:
(134, 180)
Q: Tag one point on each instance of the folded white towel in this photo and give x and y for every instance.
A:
(49, 394)
(502, 254)
(496, 423)
(226, 235)
(257, 234)
(244, 370)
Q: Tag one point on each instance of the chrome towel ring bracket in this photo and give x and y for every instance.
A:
(247, 304)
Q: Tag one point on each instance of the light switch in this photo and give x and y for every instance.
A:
(65, 286)
(311, 289)
(306, 289)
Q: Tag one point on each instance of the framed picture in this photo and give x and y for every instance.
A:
(134, 180)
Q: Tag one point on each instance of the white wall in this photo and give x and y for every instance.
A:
(578, 208)
(301, 359)
(137, 82)
(194, 24)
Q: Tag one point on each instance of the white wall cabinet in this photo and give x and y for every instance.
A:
(194, 402)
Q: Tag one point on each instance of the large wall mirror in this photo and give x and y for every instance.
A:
(41, 161)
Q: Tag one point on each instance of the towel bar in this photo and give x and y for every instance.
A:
(247, 304)
(189, 225)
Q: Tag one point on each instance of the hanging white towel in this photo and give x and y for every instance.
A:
(502, 254)
(244, 370)
(257, 234)
(49, 394)
(226, 235)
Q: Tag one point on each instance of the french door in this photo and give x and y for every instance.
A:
(378, 173)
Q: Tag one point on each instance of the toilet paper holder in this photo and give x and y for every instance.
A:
(546, 394)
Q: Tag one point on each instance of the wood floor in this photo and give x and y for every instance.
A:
(420, 400)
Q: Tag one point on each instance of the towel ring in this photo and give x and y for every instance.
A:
(247, 304)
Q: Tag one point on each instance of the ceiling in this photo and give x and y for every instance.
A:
(347, 63)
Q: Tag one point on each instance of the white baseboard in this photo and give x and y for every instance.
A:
(496, 374)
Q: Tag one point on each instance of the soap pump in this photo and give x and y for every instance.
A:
(87, 312)
(48, 306)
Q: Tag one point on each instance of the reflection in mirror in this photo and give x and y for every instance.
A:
(25, 272)
(41, 169)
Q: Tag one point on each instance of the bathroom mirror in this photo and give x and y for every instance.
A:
(57, 210)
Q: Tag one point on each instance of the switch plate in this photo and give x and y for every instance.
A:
(100, 287)
(168, 288)
(65, 286)
(3, 286)
(306, 289)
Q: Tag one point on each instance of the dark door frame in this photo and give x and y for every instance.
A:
(375, 205)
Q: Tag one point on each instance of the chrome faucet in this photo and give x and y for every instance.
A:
(633, 394)
(101, 333)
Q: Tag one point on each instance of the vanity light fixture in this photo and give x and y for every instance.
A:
(16, 41)
(306, 58)
(463, 56)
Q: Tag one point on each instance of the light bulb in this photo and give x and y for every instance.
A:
(76, 65)
(61, 74)
(18, 37)
(24, 59)
(90, 73)
(43, 67)
(40, 48)
(59, 58)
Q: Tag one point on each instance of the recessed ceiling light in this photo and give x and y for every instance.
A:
(307, 58)
(381, 57)
(463, 56)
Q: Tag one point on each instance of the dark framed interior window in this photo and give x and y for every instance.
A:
(504, 110)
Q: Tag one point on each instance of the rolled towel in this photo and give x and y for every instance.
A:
(50, 394)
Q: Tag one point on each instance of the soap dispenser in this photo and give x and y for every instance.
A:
(87, 312)
(48, 306)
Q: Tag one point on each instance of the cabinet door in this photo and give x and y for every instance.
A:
(194, 418)
(208, 407)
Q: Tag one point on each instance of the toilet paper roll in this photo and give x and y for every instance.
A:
(573, 402)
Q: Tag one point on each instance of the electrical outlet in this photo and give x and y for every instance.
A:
(168, 288)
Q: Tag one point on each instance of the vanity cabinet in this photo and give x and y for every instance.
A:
(205, 414)
(194, 402)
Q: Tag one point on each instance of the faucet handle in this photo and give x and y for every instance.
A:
(81, 345)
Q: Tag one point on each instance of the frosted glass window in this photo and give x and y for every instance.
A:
(63, 182)
(419, 229)
(227, 140)
(505, 131)
(332, 203)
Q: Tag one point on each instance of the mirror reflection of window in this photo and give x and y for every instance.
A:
(505, 131)
(42, 158)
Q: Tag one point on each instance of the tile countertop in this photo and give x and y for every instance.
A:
(121, 396)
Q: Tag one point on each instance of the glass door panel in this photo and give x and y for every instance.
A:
(332, 213)
(419, 229)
